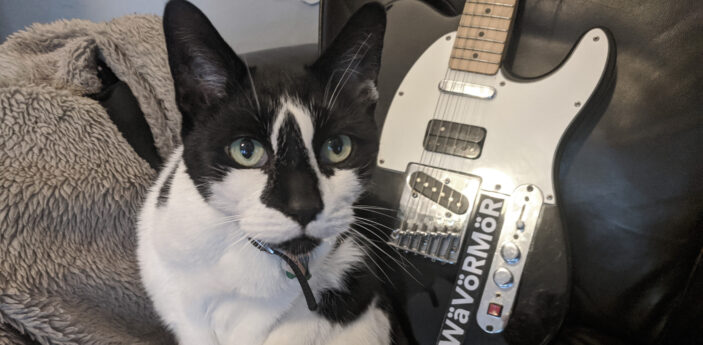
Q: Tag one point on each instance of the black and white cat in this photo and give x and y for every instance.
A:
(272, 160)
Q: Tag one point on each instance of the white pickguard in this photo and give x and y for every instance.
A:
(524, 121)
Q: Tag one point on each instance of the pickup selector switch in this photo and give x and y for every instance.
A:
(503, 278)
(510, 252)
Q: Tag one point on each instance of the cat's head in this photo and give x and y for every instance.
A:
(285, 153)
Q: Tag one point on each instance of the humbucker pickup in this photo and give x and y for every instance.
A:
(453, 138)
(438, 192)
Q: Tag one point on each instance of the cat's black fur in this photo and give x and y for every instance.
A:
(221, 98)
(221, 104)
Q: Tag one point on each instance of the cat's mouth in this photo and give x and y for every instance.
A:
(295, 254)
(297, 251)
(299, 245)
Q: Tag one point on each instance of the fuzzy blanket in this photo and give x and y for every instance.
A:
(71, 186)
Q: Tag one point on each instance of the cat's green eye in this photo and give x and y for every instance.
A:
(248, 152)
(336, 149)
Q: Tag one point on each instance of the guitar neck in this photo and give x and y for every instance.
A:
(482, 35)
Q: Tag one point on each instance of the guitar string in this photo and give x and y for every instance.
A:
(458, 114)
(451, 106)
(418, 213)
(464, 111)
(471, 109)
(442, 107)
(427, 160)
(412, 205)
(445, 103)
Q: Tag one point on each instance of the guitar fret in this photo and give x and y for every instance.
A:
(471, 46)
(475, 59)
(473, 14)
(483, 34)
(481, 50)
(482, 27)
(489, 3)
(479, 39)
(473, 66)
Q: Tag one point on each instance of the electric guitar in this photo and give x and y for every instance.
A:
(467, 158)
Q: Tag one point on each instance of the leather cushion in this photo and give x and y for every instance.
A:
(631, 176)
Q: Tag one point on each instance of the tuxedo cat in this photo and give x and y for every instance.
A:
(245, 236)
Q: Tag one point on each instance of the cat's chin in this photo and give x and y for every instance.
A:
(296, 252)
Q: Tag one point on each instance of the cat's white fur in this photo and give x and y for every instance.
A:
(211, 286)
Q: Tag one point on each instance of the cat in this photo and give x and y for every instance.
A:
(245, 236)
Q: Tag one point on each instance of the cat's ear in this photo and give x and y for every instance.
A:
(205, 69)
(353, 59)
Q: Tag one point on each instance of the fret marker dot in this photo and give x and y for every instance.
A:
(481, 33)
(475, 55)
(488, 10)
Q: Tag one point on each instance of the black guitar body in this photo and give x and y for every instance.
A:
(423, 289)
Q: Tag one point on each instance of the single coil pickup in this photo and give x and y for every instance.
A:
(439, 192)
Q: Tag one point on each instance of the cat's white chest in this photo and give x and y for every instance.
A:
(211, 286)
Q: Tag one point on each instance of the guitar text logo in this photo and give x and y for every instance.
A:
(470, 279)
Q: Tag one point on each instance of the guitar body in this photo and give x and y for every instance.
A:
(494, 270)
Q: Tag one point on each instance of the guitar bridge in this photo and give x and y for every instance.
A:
(434, 210)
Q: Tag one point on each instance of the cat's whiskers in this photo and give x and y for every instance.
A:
(231, 221)
(397, 262)
(342, 80)
(325, 99)
(253, 86)
(348, 75)
(375, 212)
(366, 226)
(241, 240)
(376, 207)
(373, 222)
(354, 236)
(403, 263)
(369, 229)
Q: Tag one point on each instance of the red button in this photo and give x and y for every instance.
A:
(495, 309)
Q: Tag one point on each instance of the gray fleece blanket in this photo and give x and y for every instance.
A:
(71, 186)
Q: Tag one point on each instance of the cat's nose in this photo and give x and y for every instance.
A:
(295, 193)
(304, 207)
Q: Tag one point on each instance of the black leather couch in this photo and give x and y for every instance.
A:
(631, 180)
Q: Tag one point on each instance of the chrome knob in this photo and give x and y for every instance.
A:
(503, 278)
(510, 252)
